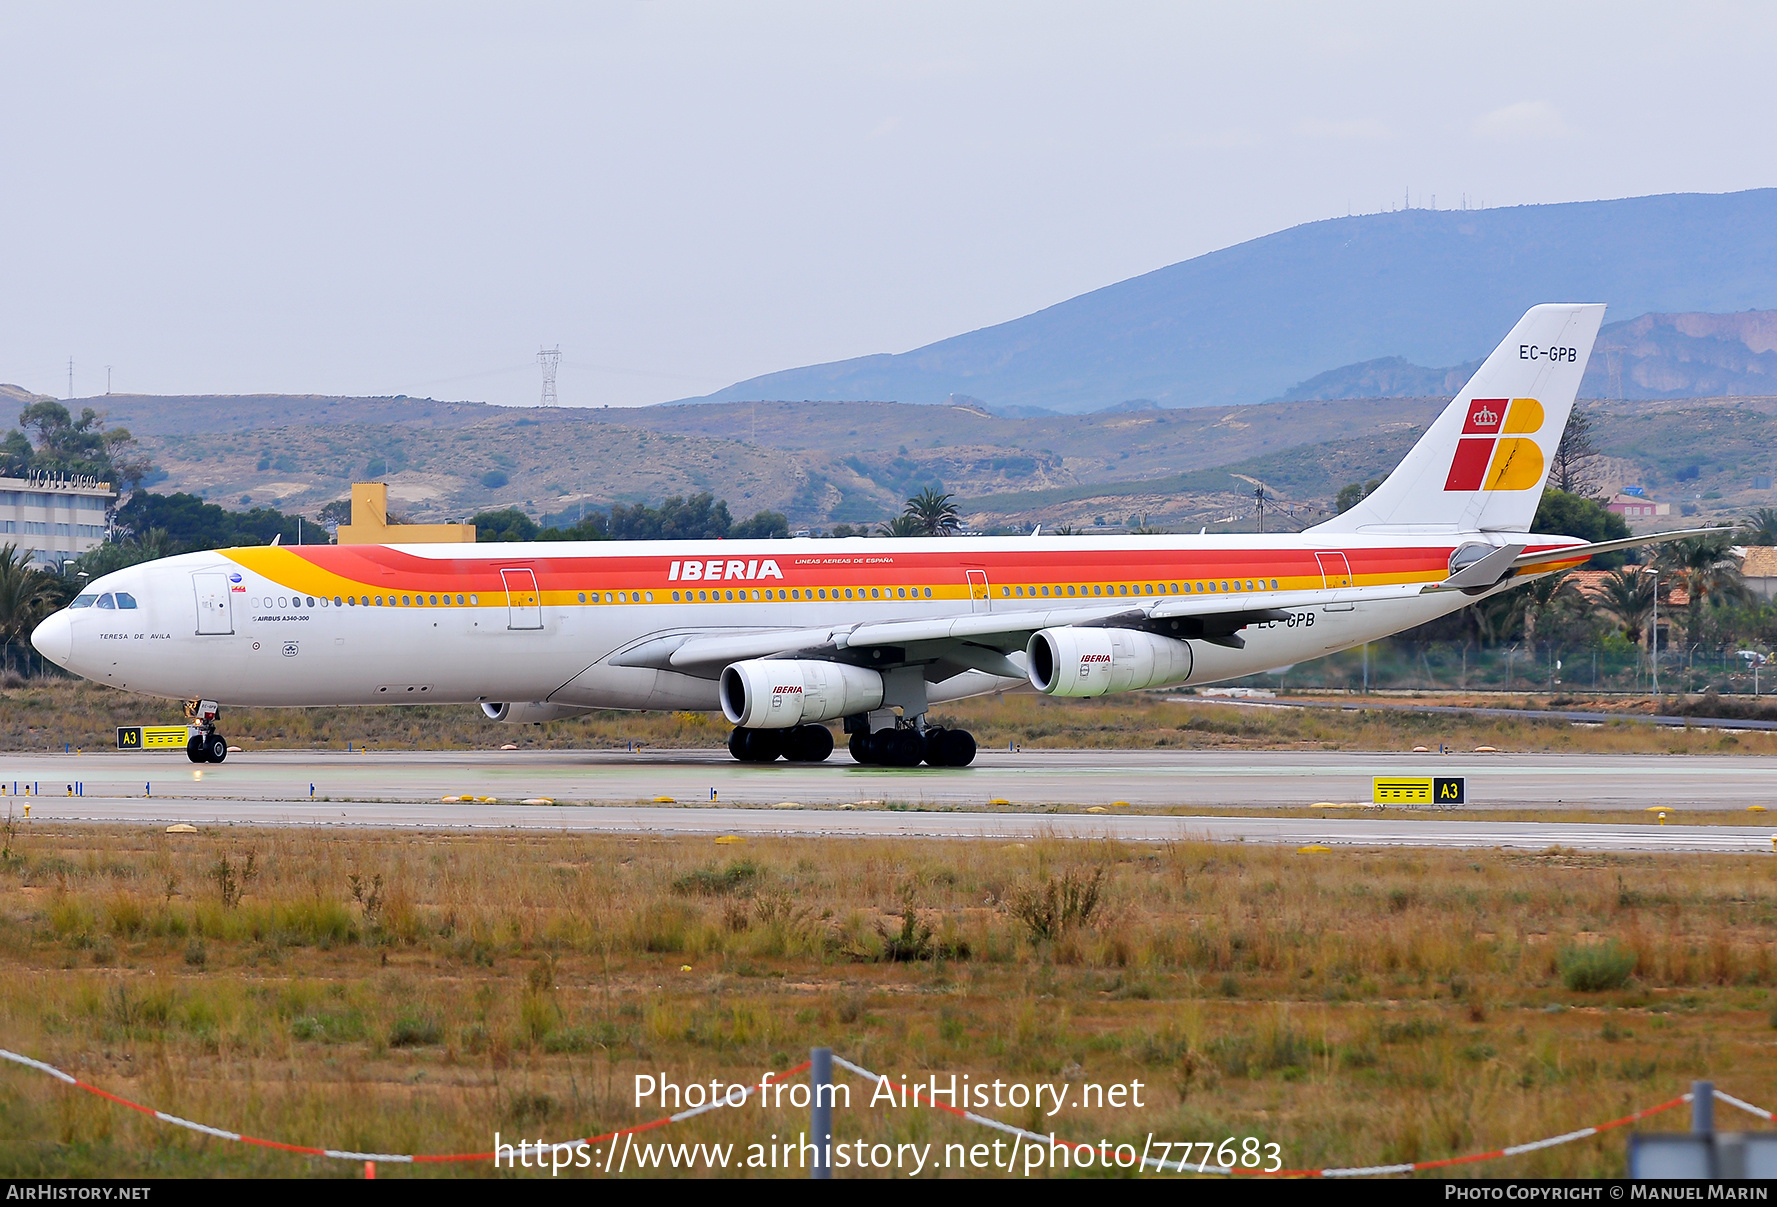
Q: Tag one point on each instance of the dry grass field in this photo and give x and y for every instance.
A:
(413, 992)
(45, 714)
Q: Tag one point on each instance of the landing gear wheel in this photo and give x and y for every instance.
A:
(756, 745)
(197, 748)
(950, 747)
(215, 748)
(901, 747)
(863, 748)
(808, 744)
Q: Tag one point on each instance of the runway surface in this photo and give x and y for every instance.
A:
(1007, 796)
(1141, 778)
(883, 823)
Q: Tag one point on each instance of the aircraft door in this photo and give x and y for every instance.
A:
(524, 604)
(980, 595)
(214, 613)
(1335, 571)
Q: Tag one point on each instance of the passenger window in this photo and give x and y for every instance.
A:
(351, 601)
(311, 600)
(1125, 590)
(848, 592)
(434, 600)
(459, 601)
(1175, 588)
(125, 600)
(84, 601)
(107, 602)
(928, 592)
(823, 592)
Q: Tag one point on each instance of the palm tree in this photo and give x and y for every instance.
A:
(1706, 568)
(901, 525)
(933, 512)
(1760, 528)
(1544, 600)
(1628, 595)
(27, 595)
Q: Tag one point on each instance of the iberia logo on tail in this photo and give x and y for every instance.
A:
(1495, 451)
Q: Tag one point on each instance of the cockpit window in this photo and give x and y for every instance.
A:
(84, 601)
(107, 601)
(125, 600)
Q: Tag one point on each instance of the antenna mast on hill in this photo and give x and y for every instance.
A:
(550, 359)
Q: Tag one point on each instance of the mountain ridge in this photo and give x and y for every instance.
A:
(1245, 323)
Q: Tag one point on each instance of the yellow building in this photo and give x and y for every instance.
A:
(370, 523)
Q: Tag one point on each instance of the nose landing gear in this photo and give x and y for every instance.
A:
(204, 745)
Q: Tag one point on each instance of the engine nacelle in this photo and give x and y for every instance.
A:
(533, 713)
(1097, 662)
(774, 693)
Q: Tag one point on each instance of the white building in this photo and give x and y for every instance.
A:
(53, 517)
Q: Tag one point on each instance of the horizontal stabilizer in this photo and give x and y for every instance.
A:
(1569, 553)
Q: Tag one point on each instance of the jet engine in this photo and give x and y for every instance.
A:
(1097, 662)
(773, 693)
(533, 713)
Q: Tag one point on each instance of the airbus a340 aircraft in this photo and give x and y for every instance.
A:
(784, 636)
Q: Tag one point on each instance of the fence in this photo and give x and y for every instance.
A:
(1033, 1149)
(1405, 665)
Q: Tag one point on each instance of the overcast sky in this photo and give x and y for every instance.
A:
(410, 199)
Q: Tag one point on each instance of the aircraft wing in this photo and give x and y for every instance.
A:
(981, 640)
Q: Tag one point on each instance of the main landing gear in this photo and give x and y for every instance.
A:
(905, 747)
(204, 745)
(803, 744)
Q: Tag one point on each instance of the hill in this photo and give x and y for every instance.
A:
(1245, 323)
(823, 463)
(1654, 356)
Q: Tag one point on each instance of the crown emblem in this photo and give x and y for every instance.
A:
(1485, 417)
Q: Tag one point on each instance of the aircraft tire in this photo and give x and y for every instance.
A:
(863, 748)
(215, 748)
(808, 744)
(901, 747)
(195, 749)
(959, 748)
(756, 745)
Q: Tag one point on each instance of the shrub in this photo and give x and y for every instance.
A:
(414, 1031)
(1596, 968)
(1059, 903)
(713, 882)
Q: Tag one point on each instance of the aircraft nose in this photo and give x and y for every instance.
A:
(54, 638)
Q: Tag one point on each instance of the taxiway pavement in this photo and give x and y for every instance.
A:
(1032, 778)
(1007, 796)
(716, 821)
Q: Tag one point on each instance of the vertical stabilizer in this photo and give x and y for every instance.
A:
(1482, 463)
